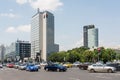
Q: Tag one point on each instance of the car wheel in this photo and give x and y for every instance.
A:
(109, 71)
(58, 70)
(36, 70)
(92, 70)
(47, 69)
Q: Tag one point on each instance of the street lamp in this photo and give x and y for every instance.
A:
(99, 52)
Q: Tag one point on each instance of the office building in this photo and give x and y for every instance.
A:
(2, 53)
(90, 34)
(93, 38)
(23, 49)
(18, 50)
(42, 35)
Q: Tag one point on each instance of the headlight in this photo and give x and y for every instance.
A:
(31, 67)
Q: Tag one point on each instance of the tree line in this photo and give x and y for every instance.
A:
(84, 54)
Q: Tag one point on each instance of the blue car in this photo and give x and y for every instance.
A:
(32, 67)
(55, 67)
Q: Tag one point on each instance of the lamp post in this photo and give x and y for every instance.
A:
(99, 52)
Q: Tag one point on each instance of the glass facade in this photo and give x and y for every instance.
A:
(93, 38)
(90, 36)
(21, 49)
(85, 34)
(42, 35)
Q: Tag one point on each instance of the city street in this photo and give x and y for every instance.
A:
(71, 74)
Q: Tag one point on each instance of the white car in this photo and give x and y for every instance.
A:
(43, 64)
(101, 68)
(1, 66)
(22, 66)
(76, 64)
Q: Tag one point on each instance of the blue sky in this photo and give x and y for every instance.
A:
(70, 17)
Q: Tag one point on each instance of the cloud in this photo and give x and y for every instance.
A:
(21, 28)
(42, 4)
(10, 30)
(11, 15)
(46, 4)
(21, 1)
(24, 28)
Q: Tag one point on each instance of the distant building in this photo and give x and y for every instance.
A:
(2, 53)
(93, 38)
(42, 35)
(90, 34)
(19, 49)
(10, 51)
(23, 49)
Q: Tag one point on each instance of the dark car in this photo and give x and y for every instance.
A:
(84, 66)
(32, 67)
(55, 67)
(116, 65)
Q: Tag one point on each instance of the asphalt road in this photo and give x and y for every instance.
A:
(71, 74)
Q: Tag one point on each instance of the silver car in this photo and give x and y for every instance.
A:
(101, 68)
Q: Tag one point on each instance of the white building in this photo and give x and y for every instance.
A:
(42, 35)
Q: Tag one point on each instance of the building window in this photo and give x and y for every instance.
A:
(46, 16)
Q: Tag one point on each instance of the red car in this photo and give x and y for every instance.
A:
(10, 65)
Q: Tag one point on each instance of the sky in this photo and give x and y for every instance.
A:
(70, 17)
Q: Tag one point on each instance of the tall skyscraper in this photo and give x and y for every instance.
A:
(42, 35)
(90, 34)
(93, 37)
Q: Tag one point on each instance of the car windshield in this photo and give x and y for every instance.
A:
(31, 64)
(57, 65)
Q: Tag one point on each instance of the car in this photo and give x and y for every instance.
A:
(38, 65)
(22, 66)
(84, 66)
(10, 65)
(32, 67)
(43, 64)
(101, 68)
(16, 65)
(116, 65)
(68, 65)
(76, 64)
(55, 67)
(1, 66)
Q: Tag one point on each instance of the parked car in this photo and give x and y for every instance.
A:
(16, 65)
(43, 64)
(76, 64)
(1, 66)
(55, 67)
(22, 66)
(38, 65)
(101, 68)
(31, 67)
(116, 65)
(68, 65)
(10, 65)
(84, 66)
